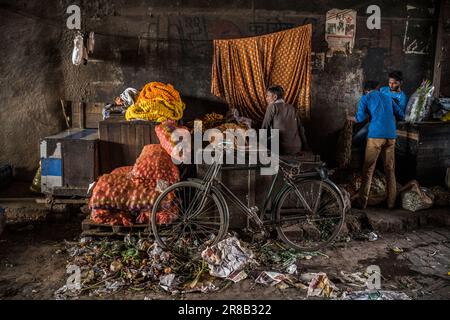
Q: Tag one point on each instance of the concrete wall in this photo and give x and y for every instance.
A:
(171, 41)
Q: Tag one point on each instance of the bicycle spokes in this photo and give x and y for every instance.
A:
(199, 219)
(309, 214)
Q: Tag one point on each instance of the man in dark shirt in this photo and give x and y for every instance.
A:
(284, 117)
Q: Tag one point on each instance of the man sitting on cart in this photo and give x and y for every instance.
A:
(286, 118)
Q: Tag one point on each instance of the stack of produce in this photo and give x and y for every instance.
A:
(209, 121)
(164, 132)
(130, 192)
(157, 102)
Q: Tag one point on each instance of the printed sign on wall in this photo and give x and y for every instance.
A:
(340, 30)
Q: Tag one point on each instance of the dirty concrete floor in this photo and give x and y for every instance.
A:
(33, 264)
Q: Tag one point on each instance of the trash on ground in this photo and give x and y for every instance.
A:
(321, 286)
(226, 257)
(375, 295)
(372, 236)
(397, 250)
(168, 282)
(292, 269)
(270, 278)
(356, 279)
(237, 276)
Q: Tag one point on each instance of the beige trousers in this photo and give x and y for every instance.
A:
(373, 149)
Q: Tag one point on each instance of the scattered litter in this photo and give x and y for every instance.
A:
(205, 287)
(270, 278)
(397, 250)
(321, 286)
(226, 257)
(373, 236)
(237, 276)
(64, 293)
(277, 257)
(307, 277)
(282, 285)
(375, 295)
(292, 269)
(116, 266)
(86, 240)
(357, 279)
(168, 282)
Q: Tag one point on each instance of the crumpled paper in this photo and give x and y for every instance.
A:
(270, 278)
(321, 286)
(226, 257)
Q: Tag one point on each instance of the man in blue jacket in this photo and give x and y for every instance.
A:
(394, 90)
(382, 111)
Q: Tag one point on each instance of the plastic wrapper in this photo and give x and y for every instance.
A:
(419, 105)
(226, 257)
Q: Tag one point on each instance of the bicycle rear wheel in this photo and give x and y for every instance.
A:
(310, 215)
(186, 220)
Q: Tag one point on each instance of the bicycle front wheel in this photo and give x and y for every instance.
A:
(186, 219)
(309, 215)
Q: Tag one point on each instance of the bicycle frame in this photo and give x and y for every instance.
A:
(210, 180)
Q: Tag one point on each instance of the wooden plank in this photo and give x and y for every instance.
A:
(78, 114)
(94, 107)
(440, 48)
(139, 140)
(91, 228)
(93, 120)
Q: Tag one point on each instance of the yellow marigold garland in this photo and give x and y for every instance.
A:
(157, 102)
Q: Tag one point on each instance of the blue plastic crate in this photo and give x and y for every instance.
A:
(6, 175)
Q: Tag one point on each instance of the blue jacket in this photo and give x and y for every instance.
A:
(382, 111)
(399, 97)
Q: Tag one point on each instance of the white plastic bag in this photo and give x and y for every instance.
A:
(419, 105)
(78, 50)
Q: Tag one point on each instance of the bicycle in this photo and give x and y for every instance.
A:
(308, 211)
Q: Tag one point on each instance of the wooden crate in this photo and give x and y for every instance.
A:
(423, 152)
(86, 115)
(90, 228)
(121, 142)
(70, 162)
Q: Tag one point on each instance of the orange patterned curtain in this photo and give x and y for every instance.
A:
(244, 68)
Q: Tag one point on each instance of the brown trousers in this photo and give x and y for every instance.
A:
(373, 149)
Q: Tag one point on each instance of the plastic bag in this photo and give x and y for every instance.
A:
(78, 50)
(419, 105)
(36, 184)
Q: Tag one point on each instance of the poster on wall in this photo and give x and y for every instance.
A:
(340, 31)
